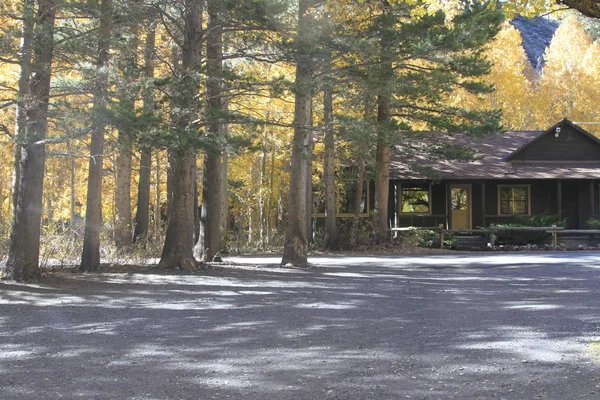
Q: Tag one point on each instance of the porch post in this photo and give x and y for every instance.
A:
(592, 199)
(449, 205)
(483, 203)
(559, 198)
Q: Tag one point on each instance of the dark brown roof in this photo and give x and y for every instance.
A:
(492, 150)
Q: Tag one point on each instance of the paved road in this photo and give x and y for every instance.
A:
(510, 326)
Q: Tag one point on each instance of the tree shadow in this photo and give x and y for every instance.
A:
(353, 327)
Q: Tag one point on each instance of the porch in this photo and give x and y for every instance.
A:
(470, 204)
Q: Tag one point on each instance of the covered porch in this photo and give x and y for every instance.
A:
(472, 204)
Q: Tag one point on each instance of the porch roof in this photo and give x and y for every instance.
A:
(491, 151)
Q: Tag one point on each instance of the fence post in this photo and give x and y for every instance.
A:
(554, 238)
(441, 226)
(492, 237)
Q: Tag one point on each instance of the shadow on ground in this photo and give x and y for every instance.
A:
(439, 327)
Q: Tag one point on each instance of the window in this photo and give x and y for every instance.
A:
(460, 198)
(415, 199)
(513, 200)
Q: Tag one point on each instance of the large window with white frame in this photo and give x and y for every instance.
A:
(514, 199)
(415, 198)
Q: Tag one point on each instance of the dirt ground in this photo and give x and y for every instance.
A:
(445, 326)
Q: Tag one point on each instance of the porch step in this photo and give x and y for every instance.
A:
(471, 242)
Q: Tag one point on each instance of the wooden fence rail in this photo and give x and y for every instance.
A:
(493, 230)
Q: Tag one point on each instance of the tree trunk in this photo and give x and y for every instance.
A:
(359, 187)
(123, 235)
(209, 244)
(331, 235)
(23, 256)
(71, 187)
(143, 202)
(22, 95)
(90, 258)
(384, 100)
(179, 240)
(140, 233)
(225, 168)
(295, 250)
(123, 229)
(157, 215)
(382, 160)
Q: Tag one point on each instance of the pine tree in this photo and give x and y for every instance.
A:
(90, 258)
(23, 258)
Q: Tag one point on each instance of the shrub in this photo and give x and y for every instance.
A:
(593, 223)
(519, 238)
(427, 238)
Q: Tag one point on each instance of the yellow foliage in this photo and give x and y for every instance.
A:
(560, 88)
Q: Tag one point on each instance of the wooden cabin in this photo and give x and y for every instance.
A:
(556, 171)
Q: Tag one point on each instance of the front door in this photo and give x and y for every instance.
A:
(461, 206)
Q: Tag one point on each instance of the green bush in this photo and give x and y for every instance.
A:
(427, 238)
(520, 238)
(593, 223)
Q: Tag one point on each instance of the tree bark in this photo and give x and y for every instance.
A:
(123, 227)
(383, 152)
(22, 94)
(295, 250)
(179, 240)
(331, 236)
(90, 258)
(382, 160)
(360, 178)
(209, 243)
(23, 257)
(143, 201)
(71, 187)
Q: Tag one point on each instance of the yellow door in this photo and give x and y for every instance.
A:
(461, 206)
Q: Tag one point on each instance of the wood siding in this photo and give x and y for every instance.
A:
(570, 145)
(576, 203)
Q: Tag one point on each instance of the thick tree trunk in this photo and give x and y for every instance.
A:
(179, 241)
(23, 257)
(143, 202)
(209, 244)
(90, 258)
(331, 235)
(28, 15)
(295, 250)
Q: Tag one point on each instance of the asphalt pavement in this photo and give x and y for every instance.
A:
(452, 326)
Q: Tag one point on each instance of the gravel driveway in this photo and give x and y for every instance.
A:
(511, 326)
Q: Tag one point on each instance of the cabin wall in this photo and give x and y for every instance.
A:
(570, 145)
(576, 204)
